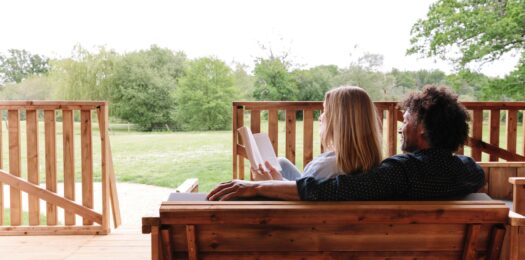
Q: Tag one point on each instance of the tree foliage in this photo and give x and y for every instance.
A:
(273, 80)
(85, 75)
(243, 82)
(142, 85)
(204, 96)
(18, 65)
(33, 88)
(475, 32)
(481, 30)
(511, 87)
(313, 83)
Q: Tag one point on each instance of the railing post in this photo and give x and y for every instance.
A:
(15, 165)
(103, 126)
(392, 129)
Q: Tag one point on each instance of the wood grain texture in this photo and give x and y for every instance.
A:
(512, 126)
(308, 137)
(477, 133)
(290, 135)
(240, 123)
(69, 162)
(51, 163)
(273, 129)
(86, 153)
(392, 130)
(499, 186)
(32, 164)
(13, 121)
(368, 230)
(52, 197)
(235, 142)
(469, 250)
(494, 131)
(255, 121)
(103, 123)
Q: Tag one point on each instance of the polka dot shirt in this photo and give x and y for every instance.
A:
(426, 174)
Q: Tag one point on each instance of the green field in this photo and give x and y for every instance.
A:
(168, 158)
(25, 218)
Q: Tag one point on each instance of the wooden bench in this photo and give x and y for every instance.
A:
(373, 230)
(459, 229)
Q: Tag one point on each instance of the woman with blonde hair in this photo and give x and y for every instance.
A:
(350, 136)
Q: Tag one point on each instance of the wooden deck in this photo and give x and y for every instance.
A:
(125, 242)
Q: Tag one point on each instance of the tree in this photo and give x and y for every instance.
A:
(511, 87)
(313, 83)
(204, 96)
(243, 82)
(33, 88)
(273, 80)
(481, 30)
(20, 64)
(85, 75)
(468, 84)
(365, 73)
(142, 87)
(475, 32)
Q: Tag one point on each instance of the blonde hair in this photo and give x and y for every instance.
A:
(351, 129)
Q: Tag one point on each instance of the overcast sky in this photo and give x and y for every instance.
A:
(312, 32)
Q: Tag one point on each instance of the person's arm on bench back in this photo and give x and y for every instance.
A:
(283, 190)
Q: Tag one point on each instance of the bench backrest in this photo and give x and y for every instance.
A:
(284, 229)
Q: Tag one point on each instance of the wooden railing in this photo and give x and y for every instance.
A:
(482, 113)
(45, 113)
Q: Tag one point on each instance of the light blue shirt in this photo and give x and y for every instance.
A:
(323, 167)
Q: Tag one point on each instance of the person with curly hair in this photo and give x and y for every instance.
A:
(434, 127)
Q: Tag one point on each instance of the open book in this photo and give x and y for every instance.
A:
(258, 148)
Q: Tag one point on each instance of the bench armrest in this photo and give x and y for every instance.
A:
(518, 199)
(189, 185)
(148, 222)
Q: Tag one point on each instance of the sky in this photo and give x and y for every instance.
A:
(312, 32)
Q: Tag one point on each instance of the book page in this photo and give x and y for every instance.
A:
(252, 151)
(266, 150)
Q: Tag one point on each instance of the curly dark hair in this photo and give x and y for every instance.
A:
(444, 118)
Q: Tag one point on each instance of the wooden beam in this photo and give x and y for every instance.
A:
(46, 195)
(51, 230)
(32, 164)
(115, 204)
(51, 163)
(192, 242)
(13, 117)
(469, 251)
(86, 145)
(290, 135)
(103, 123)
(69, 161)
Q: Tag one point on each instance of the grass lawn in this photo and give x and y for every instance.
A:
(25, 218)
(167, 159)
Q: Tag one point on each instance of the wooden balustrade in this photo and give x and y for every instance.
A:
(45, 113)
(488, 114)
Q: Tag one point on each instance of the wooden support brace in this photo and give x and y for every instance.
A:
(166, 244)
(497, 236)
(35, 190)
(469, 252)
(192, 242)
